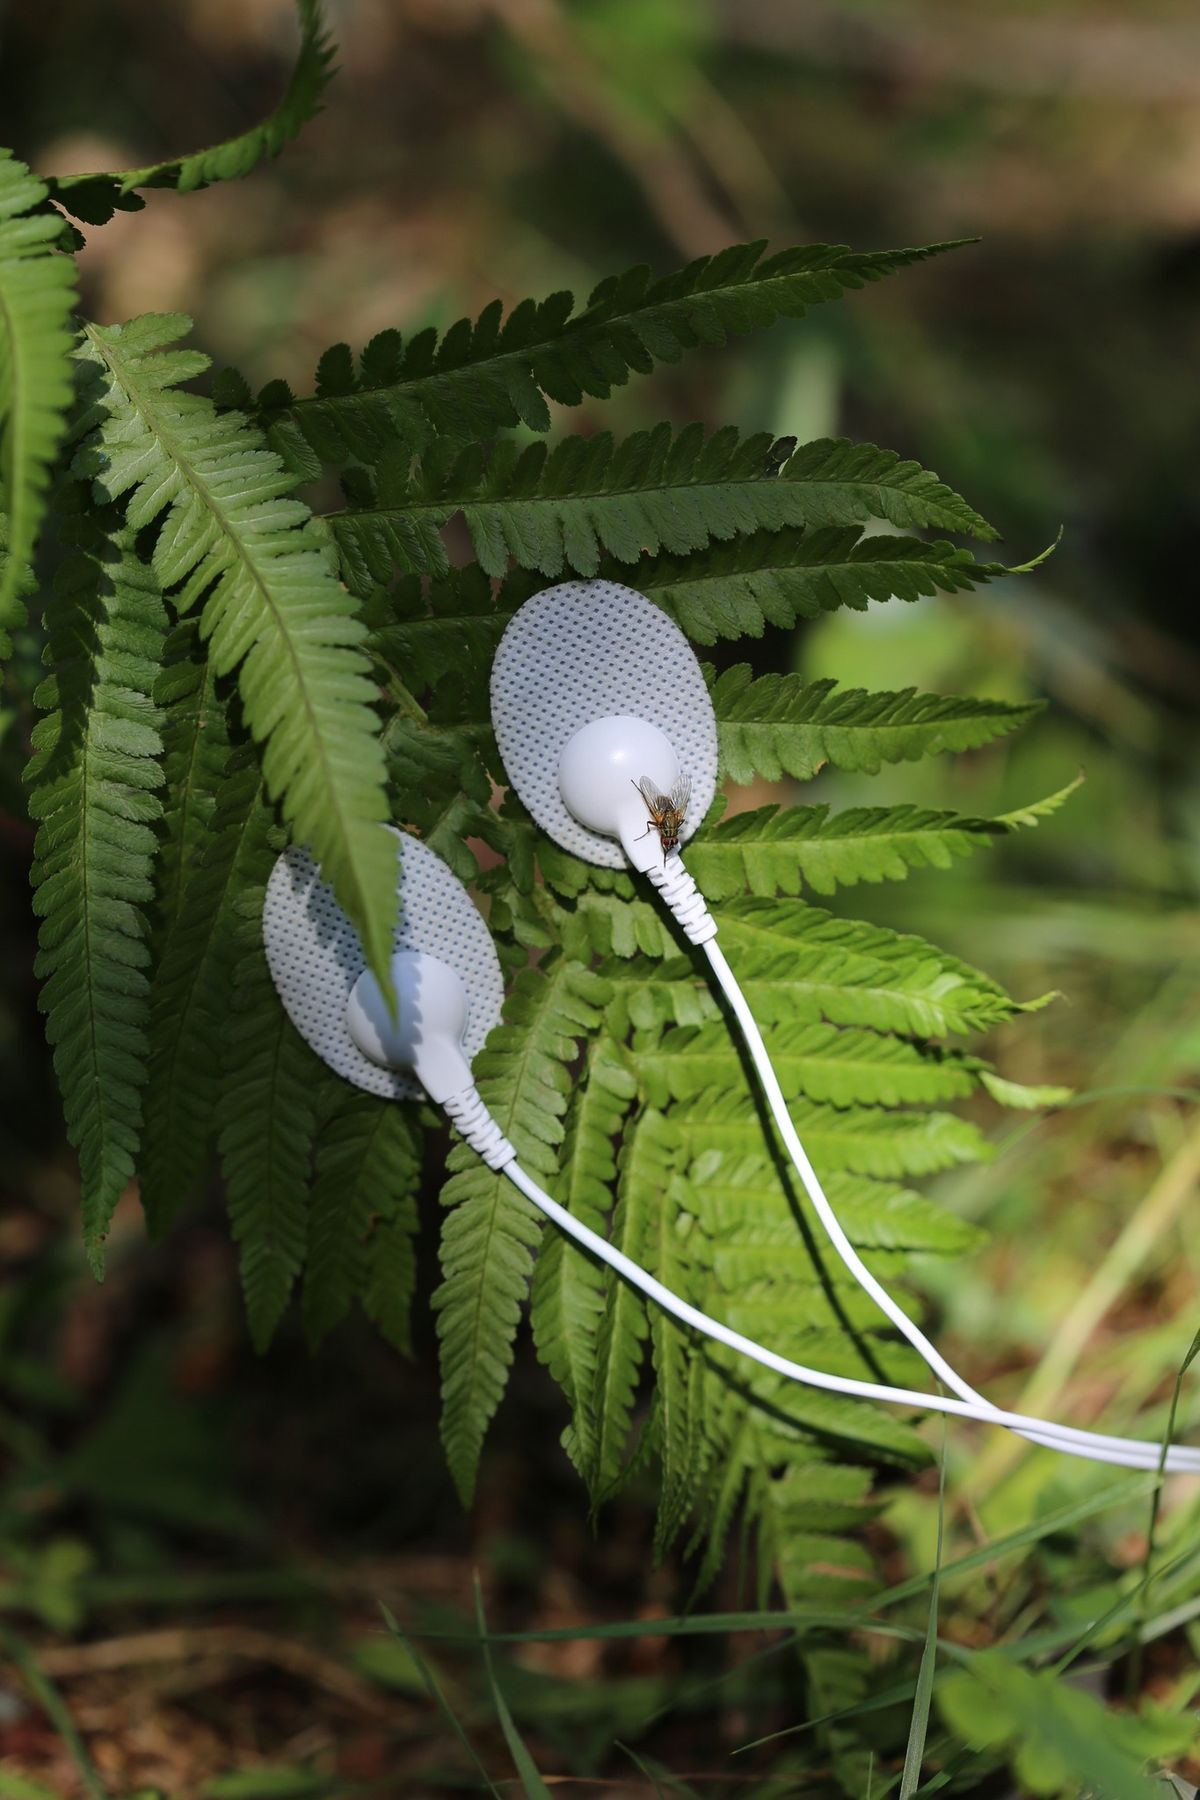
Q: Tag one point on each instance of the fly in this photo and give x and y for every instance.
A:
(666, 811)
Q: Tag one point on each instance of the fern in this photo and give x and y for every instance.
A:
(196, 749)
(193, 978)
(568, 1288)
(784, 725)
(268, 1127)
(653, 491)
(37, 292)
(94, 198)
(774, 850)
(496, 373)
(737, 589)
(491, 1230)
(94, 782)
(173, 767)
(362, 1218)
(273, 610)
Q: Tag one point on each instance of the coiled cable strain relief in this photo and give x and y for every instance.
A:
(678, 888)
(476, 1124)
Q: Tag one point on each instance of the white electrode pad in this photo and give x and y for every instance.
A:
(315, 957)
(589, 650)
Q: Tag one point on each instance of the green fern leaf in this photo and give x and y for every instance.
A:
(268, 1123)
(783, 725)
(653, 491)
(195, 752)
(800, 963)
(567, 1299)
(494, 373)
(737, 589)
(94, 777)
(840, 1068)
(191, 989)
(774, 850)
(273, 611)
(94, 198)
(882, 1144)
(646, 1165)
(363, 1217)
(490, 1230)
(37, 293)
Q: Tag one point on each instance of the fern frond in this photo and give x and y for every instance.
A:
(798, 962)
(268, 1123)
(496, 373)
(363, 1216)
(783, 725)
(887, 1145)
(273, 608)
(652, 491)
(567, 1298)
(840, 1068)
(647, 1162)
(37, 293)
(737, 589)
(774, 850)
(490, 1230)
(94, 781)
(94, 198)
(191, 989)
(195, 752)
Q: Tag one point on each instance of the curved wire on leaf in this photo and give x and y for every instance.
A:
(95, 198)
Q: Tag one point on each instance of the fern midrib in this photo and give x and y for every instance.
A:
(447, 507)
(153, 424)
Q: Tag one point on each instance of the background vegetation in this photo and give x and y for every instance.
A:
(196, 1539)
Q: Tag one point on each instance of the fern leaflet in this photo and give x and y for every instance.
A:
(653, 491)
(497, 373)
(363, 1216)
(783, 725)
(490, 1230)
(274, 610)
(37, 292)
(191, 989)
(268, 1123)
(94, 778)
(94, 198)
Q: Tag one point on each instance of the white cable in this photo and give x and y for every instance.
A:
(1131, 1452)
(1051, 1434)
(1132, 1455)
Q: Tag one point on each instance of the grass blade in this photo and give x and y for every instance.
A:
(434, 1689)
(55, 1708)
(535, 1788)
(914, 1754)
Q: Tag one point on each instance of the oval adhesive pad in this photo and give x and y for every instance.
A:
(315, 957)
(589, 650)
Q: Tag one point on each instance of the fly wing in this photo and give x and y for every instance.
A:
(681, 793)
(652, 794)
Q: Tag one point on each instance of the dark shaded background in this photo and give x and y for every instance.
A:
(158, 1478)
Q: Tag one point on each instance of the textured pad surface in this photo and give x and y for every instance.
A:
(589, 650)
(315, 957)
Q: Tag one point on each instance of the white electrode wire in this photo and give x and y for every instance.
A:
(1130, 1455)
(1054, 1436)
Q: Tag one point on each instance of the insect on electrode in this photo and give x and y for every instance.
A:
(666, 811)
